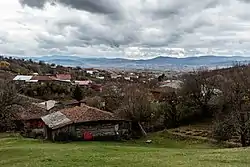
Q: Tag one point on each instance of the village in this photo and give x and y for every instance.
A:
(90, 116)
(73, 103)
(134, 83)
(55, 104)
(75, 120)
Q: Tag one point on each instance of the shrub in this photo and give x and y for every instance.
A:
(223, 130)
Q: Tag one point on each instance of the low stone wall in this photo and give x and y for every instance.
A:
(204, 137)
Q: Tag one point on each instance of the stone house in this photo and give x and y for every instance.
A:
(84, 123)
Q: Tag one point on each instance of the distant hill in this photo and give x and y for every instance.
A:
(158, 63)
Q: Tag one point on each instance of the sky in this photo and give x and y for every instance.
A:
(130, 28)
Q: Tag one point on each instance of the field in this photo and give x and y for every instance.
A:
(164, 151)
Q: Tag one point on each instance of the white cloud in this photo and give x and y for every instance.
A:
(131, 28)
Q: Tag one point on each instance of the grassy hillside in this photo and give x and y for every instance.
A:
(15, 152)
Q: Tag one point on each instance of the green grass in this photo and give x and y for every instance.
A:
(164, 151)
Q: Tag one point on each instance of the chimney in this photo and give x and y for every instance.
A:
(46, 105)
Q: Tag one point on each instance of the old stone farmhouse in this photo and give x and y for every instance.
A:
(84, 123)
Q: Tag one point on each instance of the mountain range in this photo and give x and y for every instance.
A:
(157, 63)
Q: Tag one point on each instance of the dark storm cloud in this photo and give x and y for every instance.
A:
(33, 3)
(93, 6)
(179, 8)
(211, 4)
(246, 1)
(142, 23)
(97, 32)
(116, 31)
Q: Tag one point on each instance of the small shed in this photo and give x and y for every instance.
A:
(85, 123)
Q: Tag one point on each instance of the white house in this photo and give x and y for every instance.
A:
(114, 76)
(175, 84)
(100, 77)
(22, 78)
(135, 76)
(91, 72)
(127, 78)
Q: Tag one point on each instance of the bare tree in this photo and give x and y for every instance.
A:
(236, 93)
(171, 108)
(198, 90)
(113, 97)
(239, 98)
(223, 128)
(136, 105)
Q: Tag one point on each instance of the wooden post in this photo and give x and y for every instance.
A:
(142, 130)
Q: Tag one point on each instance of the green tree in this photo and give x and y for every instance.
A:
(77, 94)
(161, 77)
(198, 89)
(171, 109)
(234, 115)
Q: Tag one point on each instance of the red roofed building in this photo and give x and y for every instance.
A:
(42, 78)
(96, 87)
(83, 83)
(64, 77)
(74, 123)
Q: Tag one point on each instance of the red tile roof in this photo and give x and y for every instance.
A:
(63, 76)
(86, 114)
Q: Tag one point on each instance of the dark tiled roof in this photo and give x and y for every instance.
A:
(29, 99)
(86, 113)
(29, 111)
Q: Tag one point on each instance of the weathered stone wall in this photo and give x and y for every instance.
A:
(102, 130)
(33, 128)
(97, 130)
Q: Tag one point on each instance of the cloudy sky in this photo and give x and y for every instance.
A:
(129, 28)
